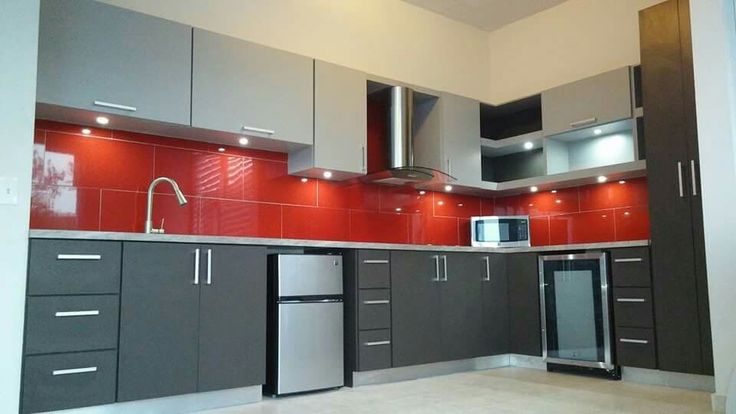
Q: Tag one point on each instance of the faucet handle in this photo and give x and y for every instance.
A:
(159, 230)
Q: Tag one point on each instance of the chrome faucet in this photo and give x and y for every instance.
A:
(149, 207)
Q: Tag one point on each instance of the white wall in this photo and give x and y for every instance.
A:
(574, 40)
(714, 56)
(388, 38)
(18, 52)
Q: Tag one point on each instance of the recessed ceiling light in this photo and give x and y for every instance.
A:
(327, 174)
(528, 145)
(448, 188)
(304, 179)
(102, 120)
(243, 141)
(221, 149)
(533, 189)
(622, 181)
(86, 131)
(553, 191)
(602, 179)
(597, 131)
(422, 192)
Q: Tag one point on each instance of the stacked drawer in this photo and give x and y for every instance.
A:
(632, 308)
(71, 329)
(374, 310)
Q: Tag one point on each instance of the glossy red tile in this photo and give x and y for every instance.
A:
(315, 223)
(586, 227)
(632, 223)
(240, 218)
(268, 181)
(123, 211)
(200, 173)
(509, 206)
(487, 207)
(100, 163)
(379, 227)
(613, 195)
(406, 200)
(67, 208)
(351, 195)
(438, 231)
(456, 205)
(548, 203)
(463, 232)
(176, 219)
(39, 155)
(539, 231)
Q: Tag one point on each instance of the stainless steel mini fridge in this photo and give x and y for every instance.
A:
(305, 323)
(575, 306)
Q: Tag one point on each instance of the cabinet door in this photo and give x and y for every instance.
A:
(462, 307)
(242, 87)
(232, 319)
(525, 332)
(461, 139)
(159, 317)
(596, 100)
(495, 303)
(91, 52)
(415, 308)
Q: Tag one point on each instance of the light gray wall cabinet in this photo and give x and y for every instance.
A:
(597, 100)
(340, 125)
(245, 88)
(461, 139)
(107, 59)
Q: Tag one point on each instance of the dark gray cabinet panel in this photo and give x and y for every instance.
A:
(68, 267)
(632, 307)
(461, 304)
(630, 267)
(159, 317)
(374, 349)
(374, 271)
(495, 304)
(416, 311)
(89, 52)
(71, 323)
(636, 348)
(524, 318)
(232, 319)
(61, 381)
(374, 309)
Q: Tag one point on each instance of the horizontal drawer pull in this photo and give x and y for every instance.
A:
(376, 302)
(628, 260)
(73, 371)
(67, 314)
(375, 261)
(631, 300)
(377, 343)
(633, 341)
(583, 122)
(79, 256)
(258, 130)
(115, 106)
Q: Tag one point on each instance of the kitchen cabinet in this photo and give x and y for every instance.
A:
(106, 59)
(525, 331)
(340, 125)
(596, 100)
(461, 302)
(495, 303)
(192, 318)
(245, 88)
(679, 282)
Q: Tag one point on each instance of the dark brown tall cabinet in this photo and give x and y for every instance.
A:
(678, 252)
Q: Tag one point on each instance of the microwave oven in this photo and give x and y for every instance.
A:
(500, 231)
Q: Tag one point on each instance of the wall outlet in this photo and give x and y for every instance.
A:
(8, 190)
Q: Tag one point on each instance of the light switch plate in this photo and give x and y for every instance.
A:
(8, 190)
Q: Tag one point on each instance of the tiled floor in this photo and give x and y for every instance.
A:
(505, 390)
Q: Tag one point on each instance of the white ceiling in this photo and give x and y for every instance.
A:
(486, 14)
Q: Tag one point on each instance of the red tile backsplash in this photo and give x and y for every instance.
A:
(99, 182)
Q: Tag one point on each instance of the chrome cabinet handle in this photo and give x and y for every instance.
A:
(633, 341)
(64, 256)
(209, 266)
(583, 122)
(444, 267)
(196, 266)
(68, 314)
(436, 268)
(362, 157)
(628, 260)
(692, 176)
(487, 260)
(73, 371)
(377, 343)
(376, 302)
(631, 300)
(449, 167)
(375, 261)
(258, 130)
(115, 106)
(679, 179)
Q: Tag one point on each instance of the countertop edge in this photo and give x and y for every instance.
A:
(183, 238)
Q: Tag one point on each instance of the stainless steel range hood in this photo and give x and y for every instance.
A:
(402, 169)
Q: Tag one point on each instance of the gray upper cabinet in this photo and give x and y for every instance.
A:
(461, 139)
(340, 124)
(242, 87)
(102, 58)
(592, 101)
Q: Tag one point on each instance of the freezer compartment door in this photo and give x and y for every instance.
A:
(310, 347)
(309, 275)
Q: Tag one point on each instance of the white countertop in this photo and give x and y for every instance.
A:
(183, 238)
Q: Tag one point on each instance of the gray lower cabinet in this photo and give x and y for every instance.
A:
(461, 304)
(495, 303)
(246, 88)
(178, 302)
(97, 57)
(525, 332)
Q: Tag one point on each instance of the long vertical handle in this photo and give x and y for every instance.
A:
(487, 260)
(209, 266)
(679, 179)
(196, 266)
(692, 176)
(362, 157)
(449, 167)
(444, 267)
(436, 268)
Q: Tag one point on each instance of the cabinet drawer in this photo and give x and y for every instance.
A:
(60, 381)
(71, 323)
(68, 267)
(636, 348)
(374, 350)
(374, 270)
(630, 267)
(374, 309)
(632, 307)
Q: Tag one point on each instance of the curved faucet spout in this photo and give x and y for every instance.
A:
(149, 206)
